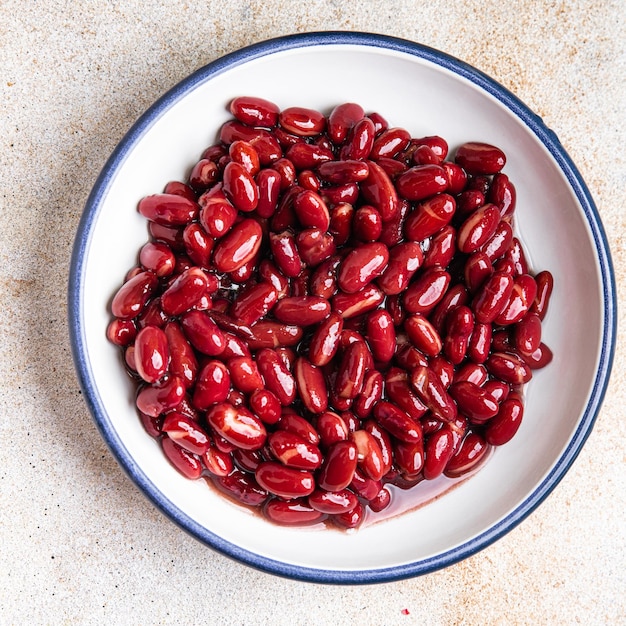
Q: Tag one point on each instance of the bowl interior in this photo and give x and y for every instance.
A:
(426, 98)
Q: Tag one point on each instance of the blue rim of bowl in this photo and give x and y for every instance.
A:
(88, 384)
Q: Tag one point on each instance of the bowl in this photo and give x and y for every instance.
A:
(428, 93)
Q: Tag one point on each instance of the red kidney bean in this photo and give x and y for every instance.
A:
(254, 111)
(492, 297)
(307, 179)
(469, 201)
(520, 300)
(503, 427)
(478, 228)
(499, 242)
(443, 369)
(369, 454)
(474, 401)
(325, 340)
(404, 260)
(381, 335)
(302, 122)
(539, 358)
(423, 335)
(479, 343)
(456, 177)
(397, 422)
(301, 310)
(179, 188)
(285, 252)
(268, 183)
(460, 325)
(217, 462)
(370, 395)
(151, 354)
(203, 333)
(364, 486)
(339, 467)
(238, 246)
(265, 144)
(341, 120)
(379, 191)
(339, 194)
(311, 386)
(293, 451)
(390, 143)
(545, 284)
(424, 155)
(352, 369)
(477, 270)
(425, 292)
(350, 305)
(527, 334)
(343, 172)
(198, 244)
(133, 295)
(254, 302)
(244, 374)
(242, 487)
(277, 377)
(393, 229)
(352, 519)
(212, 385)
(121, 332)
(287, 172)
(360, 141)
(367, 224)
(516, 255)
(429, 217)
(421, 181)
(265, 405)
(217, 214)
(498, 389)
(432, 393)
(296, 512)
(333, 502)
(270, 334)
(480, 158)
(311, 210)
(203, 174)
(438, 450)
(160, 397)
(442, 248)
(323, 281)
(398, 390)
(187, 463)
(186, 433)
(245, 154)
(331, 428)
(269, 273)
(237, 425)
(185, 291)
(508, 367)
(158, 258)
(168, 209)
(409, 457)
(472, 452)
(502, 193)
(315, 246)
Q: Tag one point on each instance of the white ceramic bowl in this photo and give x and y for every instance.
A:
(426, 92)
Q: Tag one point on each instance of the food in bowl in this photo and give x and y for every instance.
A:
(329, 310)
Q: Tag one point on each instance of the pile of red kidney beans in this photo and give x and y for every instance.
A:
(327, 308)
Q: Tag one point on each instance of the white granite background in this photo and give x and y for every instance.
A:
(78, 543)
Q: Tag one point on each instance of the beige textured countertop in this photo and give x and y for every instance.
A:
(78, 543)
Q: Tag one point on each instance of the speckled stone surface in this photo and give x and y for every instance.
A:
(78, 543)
